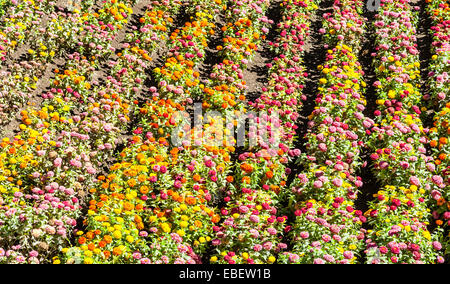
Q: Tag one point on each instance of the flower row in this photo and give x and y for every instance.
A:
(47, 168)
(438, 83)
(399, 215)
(152, 207)
(253, 224)
(327, 226)
(22, 22)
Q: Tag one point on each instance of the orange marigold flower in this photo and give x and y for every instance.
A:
(82, 240)
(247, 168)
(131, 182)
(108, 239)
(190, 200)
(197, 177)
(433, 143)
(128, 206)
(144, 189)
(91, 246)
(142, 178)
(215, 219)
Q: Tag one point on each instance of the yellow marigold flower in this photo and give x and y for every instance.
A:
(117, 234)
(166, 227)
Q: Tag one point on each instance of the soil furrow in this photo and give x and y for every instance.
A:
(256, 75)
(424, 40)
(370, 184)
(212, 56)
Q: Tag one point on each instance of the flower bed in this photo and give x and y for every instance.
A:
(252, 227)
(328, 228)
(48, 167)
(155, 192)
(126, 160)
(439, 83)
(399, 215)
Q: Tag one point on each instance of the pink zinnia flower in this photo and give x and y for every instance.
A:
(20, 259)
(437, 245)
(337, 182)
(329, 258)
(107, 127)
(322, 147)
(437, 180)
(348, 254)
(267, 245)
(91, 170)
(326, 238)
(304, 235)
(319, 261)
(254, 219)
(33, 253)
(318, 184)
(257, 247)
(436, 195)
(414, 180)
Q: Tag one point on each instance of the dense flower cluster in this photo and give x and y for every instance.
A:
(164, 216)
(399, 214)
(328, 228)
(439, 67)
(253, 194)
(51, 32)
(21, 23)
(48, 166)
(123, 159)
(439, 79)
